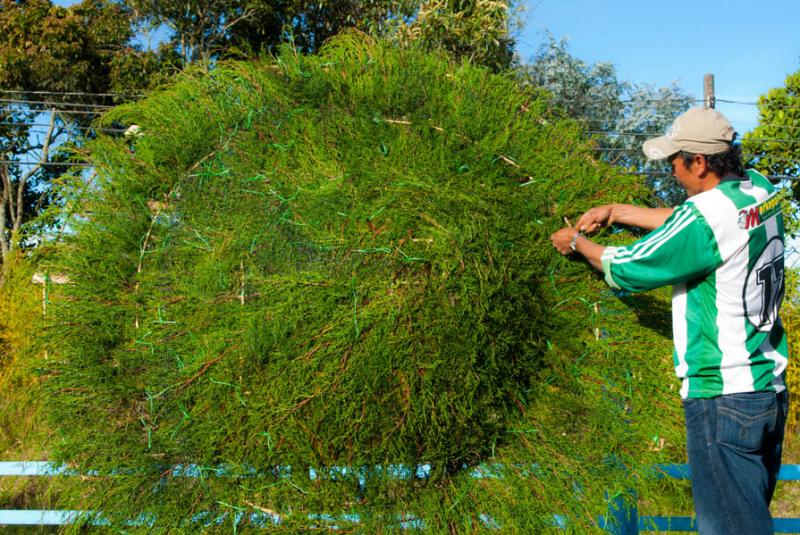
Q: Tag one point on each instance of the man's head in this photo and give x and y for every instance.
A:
(696, 131)
(699, 143)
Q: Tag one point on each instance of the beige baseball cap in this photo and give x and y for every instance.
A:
(697, 130)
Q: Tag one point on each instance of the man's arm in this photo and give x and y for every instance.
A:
(675, 252)
(626, 214)
(591, 221)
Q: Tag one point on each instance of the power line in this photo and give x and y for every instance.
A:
(767, 140)
(601, 121)
(557, 100)
(746, 156)
(55, 104)
(616, 133)
(101, 108)
(69, 93)
(774, 158)
(591, 132)
(744, 103)
(778, 126)
(773, 178)
(625, 101)
(660, 100)
(637, 149)
(47, 164)
(61, 112)
(655, 134)
(85, 128)
(637, 173)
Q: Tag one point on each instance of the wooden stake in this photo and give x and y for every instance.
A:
(241, 285)
(709, 99)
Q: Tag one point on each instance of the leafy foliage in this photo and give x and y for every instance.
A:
(315, 263)
(52, 48)
(478, 30)
(207, 29)
(775, 143)
(199, 29)
(313, 23)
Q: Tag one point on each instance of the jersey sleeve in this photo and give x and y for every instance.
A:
(683, 248)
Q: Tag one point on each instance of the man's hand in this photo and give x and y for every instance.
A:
(591, 251)
(597, 217)
(562, 238)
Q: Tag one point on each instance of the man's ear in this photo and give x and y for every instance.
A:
(700, 165)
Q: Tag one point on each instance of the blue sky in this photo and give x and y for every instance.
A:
(750, 47)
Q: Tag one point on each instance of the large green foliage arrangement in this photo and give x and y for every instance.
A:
(307, 277)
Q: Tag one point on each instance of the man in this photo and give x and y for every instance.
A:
(722, 252)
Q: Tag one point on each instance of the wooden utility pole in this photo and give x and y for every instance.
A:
(709, 100)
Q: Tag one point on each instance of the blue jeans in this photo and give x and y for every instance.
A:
(734, 444)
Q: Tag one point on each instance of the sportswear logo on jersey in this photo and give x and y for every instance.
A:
(755, 215)
(764, 288)
(748, 219)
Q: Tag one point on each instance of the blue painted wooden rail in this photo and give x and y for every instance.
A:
(623, 520)
(628, 521)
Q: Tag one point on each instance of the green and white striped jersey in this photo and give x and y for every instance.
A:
(722, 251)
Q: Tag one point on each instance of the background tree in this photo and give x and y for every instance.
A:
(619, 115)
(57, 49)
(774, 145)
(17, 184)
(479, 30)
(51, 58)
(202, 30)
(312, 23)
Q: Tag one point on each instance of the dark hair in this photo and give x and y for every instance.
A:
(721, 164)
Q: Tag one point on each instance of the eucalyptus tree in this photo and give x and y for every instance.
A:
(617, 113)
